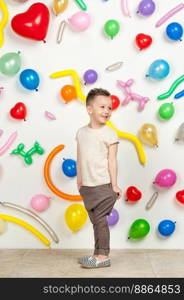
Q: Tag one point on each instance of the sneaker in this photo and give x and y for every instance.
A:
(82, 259)
(93, 263)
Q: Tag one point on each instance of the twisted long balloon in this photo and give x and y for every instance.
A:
(27, 226)
(172, 88)
(33, 215)
(4, 20)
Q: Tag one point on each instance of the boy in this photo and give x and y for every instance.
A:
(97, 173)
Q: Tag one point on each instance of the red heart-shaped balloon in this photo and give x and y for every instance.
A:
(19, 111)
(143, 41)
(133, 194)
(33, 23)
(115, 102)
(180, 196)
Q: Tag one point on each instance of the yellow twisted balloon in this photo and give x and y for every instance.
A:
(27, 226)
(121, 134)
(4, 20)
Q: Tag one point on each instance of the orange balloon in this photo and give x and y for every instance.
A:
(68, 93)
(48, 180)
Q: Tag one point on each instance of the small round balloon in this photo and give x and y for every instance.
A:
(133, 194)
(69, 167)
(180, 196)
(111, 28)
(166, 227)
(146, 7)
(148, 135)
(166, 111)
(68, 93)
(59, 6)
(75, 216)
(139, 229)
(174, 31)
(40, 202)
(115, 102)
(10, 63)
(159, 69)
(19, 111)
(80, 21)
(165, 178)
(29, 79)
(180, 134)
(90, 76)
(143, 41)
(113, 218)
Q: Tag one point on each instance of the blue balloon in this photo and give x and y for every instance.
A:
(166, 227)
(159, 69)
(69, 167)
(29, 79)
(174, 31)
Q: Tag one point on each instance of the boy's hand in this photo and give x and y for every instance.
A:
(118, 191)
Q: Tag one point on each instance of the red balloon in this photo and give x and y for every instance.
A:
(33, 23)
(143, 41)
(115, 102)
(19, 111)
(133, 194)
(180, 196)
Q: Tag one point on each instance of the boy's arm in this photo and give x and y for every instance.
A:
(79, 177)
(113, 169)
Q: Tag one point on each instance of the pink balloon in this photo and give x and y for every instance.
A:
(80, 21)
(8, 143)
(49, 115)
(165, 178)
(169, 14)
(125, 8)
(40, 202)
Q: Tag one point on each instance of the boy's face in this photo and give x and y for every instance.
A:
(101, 109)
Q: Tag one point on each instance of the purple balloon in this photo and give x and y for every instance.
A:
(113, 218)
(146, 7)
(165, 178)
(90, 76)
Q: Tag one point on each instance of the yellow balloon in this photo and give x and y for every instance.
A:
(148, 135)
(75, 216)
(4, 20)
(2, 226)
(59, 6)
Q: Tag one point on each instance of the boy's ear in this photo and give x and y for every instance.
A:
(89, 109)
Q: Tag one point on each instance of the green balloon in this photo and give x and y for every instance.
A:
(111, 28)
(166, 111)
(139, 229)
(10, 63)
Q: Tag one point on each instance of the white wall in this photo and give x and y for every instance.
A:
(81, 51)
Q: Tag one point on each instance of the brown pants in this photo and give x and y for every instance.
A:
(99, 201)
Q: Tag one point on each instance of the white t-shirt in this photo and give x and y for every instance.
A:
(93, 148)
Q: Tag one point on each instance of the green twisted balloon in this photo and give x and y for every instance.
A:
(172, 88)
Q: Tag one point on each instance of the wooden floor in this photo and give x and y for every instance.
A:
(63, 264)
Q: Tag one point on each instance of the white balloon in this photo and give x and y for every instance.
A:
(20, 0)
(180, 134)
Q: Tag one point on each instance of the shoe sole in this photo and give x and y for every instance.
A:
(94, 267)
